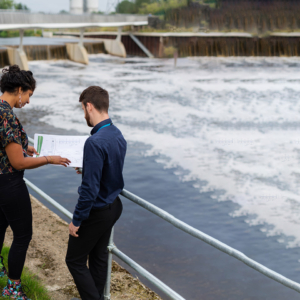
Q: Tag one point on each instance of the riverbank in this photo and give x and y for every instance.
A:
(46, 259)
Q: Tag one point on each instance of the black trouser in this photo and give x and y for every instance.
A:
(15, 211)
(92, 242)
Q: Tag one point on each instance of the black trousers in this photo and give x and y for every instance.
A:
(16, 212)
(91, 244)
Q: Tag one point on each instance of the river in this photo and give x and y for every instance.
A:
(214, 141)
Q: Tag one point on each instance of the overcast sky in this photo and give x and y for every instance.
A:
(54, 6)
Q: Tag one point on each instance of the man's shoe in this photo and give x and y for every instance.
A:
(3, 271)
(14, 290)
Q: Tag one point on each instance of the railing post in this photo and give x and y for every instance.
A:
(109, 266)
(119, 36)
(81, 37)
(21, 39)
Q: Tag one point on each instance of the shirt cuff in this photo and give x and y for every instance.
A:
(76, 223)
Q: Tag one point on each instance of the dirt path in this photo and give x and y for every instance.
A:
(46, 258)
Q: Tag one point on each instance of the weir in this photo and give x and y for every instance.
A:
(203, 44)
(76, 52)
(49, 52)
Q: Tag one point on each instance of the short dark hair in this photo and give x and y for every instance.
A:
(96, 96)
(12, 78)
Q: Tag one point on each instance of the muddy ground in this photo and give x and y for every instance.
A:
(46, 258)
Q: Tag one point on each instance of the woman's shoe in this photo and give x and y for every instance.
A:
(3, 271)
(14, 290)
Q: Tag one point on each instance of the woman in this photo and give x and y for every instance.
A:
(15, 208)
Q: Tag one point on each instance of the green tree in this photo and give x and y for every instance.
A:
(126, 7)
(6, 4)
(21, 6)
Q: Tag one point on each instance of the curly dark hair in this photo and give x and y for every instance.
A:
(13, 78)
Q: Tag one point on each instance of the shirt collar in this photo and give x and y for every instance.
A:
(99, 125)
(5, 104)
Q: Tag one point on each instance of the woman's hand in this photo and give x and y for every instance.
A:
(58, 160)
(31, 151)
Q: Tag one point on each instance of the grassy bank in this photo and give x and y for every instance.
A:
(36, 291)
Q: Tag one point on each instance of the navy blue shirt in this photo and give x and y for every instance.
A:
(102, 178)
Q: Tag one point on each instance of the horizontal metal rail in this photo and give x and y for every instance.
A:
(209, 240)
(113, 249)
(212, 241)
(49, 199)
(160, 285)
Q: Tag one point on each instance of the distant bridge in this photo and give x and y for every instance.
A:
(23, 21)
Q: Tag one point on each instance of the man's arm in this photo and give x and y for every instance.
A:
(88, 191)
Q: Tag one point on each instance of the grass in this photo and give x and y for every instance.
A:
(36, 290)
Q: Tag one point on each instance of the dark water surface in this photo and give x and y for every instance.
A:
(191, 267)
(214, 141)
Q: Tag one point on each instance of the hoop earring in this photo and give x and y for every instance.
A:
(20, 102)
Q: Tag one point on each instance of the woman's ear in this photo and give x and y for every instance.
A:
(20, 91)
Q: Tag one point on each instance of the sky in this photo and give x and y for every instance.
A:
(55, 6)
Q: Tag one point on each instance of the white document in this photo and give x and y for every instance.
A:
(70, 147)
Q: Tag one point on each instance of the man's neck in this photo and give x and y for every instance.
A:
(100, 118)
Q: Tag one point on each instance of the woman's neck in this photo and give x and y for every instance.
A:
(9, 98)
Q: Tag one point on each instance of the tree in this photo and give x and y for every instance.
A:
(21, 6)
(126, 7)
(6, 4)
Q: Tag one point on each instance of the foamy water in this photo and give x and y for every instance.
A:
(232, 124)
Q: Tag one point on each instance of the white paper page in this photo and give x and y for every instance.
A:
(70, 147)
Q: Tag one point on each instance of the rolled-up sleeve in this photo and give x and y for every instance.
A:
(88, 191)
(9, 131)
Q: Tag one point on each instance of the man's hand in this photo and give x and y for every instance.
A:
(73, 230)
(78, 170)
(31, 151)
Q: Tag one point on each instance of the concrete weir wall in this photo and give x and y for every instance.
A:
(47, 52)
(17, 57)
(114, 47)
(77, 53)
(210, 44)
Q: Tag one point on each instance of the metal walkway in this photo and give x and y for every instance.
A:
(180, 225)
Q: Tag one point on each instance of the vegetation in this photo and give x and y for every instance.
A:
(16, 33)
(148, 6)
(36, 291)
(160, 7)
(10, 4)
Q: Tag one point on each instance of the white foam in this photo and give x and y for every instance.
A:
(229, 122)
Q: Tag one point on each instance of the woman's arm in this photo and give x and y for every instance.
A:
(18, 161)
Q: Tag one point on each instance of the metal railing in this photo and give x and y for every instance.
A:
(180, 225)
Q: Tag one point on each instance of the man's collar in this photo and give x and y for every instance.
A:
(99, 125)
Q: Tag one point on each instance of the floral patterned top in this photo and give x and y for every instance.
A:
(11, 130)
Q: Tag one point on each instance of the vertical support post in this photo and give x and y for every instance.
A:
(81, 36)
(21, 39)
(109, 266)
(161, 47)
(119, 33)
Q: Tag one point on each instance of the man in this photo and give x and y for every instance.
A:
(99, 206)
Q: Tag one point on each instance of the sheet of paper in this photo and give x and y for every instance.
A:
(70, 147)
